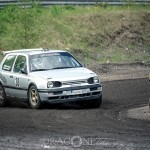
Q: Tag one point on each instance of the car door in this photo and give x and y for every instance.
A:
(6, 73)
(20, 80)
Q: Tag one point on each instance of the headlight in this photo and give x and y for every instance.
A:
(52, 84)
(49, 84)
(95, 80)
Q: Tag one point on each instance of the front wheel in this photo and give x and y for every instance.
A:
(34, 98)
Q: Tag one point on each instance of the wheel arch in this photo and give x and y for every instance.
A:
(5, 100)
(3, 87)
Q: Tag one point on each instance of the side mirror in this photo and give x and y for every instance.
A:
(24, 70)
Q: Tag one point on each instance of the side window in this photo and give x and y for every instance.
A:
(20, 63)
(7, 65)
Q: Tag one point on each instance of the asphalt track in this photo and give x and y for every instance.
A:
(70, 126)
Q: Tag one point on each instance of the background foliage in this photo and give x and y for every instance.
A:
(101, 33)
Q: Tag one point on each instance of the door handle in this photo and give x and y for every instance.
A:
(11, 76)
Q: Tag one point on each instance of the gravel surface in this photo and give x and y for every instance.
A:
(110, 72)
(72, 127)
(140, 113)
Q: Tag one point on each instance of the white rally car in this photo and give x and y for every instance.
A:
(42, 75)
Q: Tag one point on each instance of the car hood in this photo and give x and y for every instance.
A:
(65, 74)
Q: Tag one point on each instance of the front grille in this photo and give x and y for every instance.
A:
(74, 82)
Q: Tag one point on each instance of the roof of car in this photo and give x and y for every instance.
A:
(31, 51)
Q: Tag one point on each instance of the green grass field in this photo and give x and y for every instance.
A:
(96, 34)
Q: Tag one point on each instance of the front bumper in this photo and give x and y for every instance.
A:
(79, 93)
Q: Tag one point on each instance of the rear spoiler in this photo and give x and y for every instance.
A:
(22, 50)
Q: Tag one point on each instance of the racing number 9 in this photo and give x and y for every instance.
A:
(17, 81)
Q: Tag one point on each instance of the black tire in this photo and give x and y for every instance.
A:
(34, 98)
(3, 100)
(95, 103)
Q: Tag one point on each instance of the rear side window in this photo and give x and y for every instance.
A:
(7, 65)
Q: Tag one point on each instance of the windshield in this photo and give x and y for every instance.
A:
(56, 60)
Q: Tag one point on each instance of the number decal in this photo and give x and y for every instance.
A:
(17, 81)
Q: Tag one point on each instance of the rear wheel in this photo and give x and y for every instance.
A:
(34, 98)
(3, 101)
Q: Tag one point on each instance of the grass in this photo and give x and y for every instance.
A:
(94, 34)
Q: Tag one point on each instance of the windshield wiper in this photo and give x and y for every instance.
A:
(39, 70)
(62, 67)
